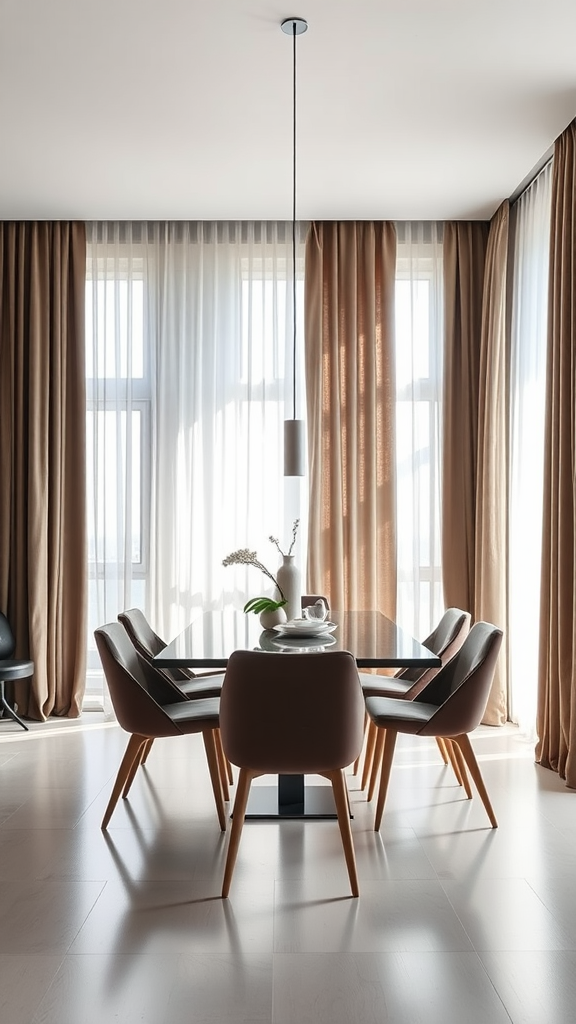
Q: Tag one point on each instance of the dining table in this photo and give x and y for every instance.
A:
(374, 640)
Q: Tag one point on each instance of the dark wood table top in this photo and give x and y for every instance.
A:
(374, 640)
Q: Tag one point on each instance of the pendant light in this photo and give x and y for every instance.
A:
(294, 455)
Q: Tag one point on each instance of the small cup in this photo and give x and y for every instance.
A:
(316, 612)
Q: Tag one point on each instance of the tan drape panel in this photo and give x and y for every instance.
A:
(556, 722)
(349, 323)
(491, 558)
(42, 458)
(464, 260)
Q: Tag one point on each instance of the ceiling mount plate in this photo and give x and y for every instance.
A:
(289, 24)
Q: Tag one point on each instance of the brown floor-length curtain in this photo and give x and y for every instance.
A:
(465, 246)
(349, 329)
(491, 558)
(43, 573)
(556, 720)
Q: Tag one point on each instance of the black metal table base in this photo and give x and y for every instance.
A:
(291, 800)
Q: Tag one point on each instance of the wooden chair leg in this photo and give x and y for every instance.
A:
(131, 754)
(357, 761)
(343, 811)
(137, 762)
(242, 793)
(376, 762)
(441, 744)
(387, 758)
(222, 764)
(369, 753)
(147, 751)
(213, 768)
(454, 761)
(462, 767)
(465, 746)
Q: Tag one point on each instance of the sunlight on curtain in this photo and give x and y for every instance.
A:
(189, 369)
(527, 402)
(419, 338)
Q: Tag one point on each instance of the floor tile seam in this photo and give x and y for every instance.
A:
(97, 796)
(493, 984)
(570, 943)
(50, 827)
(11, 815)
(35, 1019)
(88, 915)
(457, 915)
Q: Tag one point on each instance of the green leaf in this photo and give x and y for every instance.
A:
(262, 604)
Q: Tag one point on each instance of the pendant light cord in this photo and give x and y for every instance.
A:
(294, 224)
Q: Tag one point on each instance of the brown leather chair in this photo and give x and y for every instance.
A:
(296, 715)
(450, 706)
(445, 641)
(146, 707)
(148, 644)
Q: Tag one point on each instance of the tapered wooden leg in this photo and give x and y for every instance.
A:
(338, 781)
(441, 744)
(462, 767)
(132, 750)
(242, 793)
(221, 764)
(357, 761)
(138, 760)
(213, 768)
(387, 758)
(147, 751)
(465, 746)
(369, 753)
(454, 761)
(376, 762)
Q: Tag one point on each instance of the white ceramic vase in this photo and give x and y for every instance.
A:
(273, 618)
(288, 577)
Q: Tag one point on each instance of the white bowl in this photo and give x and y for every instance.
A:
(304, 627)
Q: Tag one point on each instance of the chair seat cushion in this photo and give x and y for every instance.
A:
(15, 668)
(207, 686)
(401, 715)
(383, 686)
(198, 714)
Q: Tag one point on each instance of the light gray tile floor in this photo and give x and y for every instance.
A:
(456, 923)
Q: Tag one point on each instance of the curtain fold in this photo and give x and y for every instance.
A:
(491, 553)
(556, 748)
(42, 458)
(531, 230)
(349, 341)
(465, 246)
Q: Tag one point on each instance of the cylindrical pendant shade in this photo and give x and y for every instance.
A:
(294, 454)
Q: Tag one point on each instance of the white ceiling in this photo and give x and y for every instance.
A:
(182, 109)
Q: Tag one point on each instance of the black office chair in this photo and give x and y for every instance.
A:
(11, 668)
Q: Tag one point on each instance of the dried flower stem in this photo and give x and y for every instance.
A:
(274, 540)
(246, 557)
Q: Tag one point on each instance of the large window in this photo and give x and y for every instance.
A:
(527, 409)
(118, 424)
(419, 340)
(189, 369)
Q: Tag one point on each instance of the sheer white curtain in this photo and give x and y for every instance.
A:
(189, 381)
(419, 340)
(527, 401)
